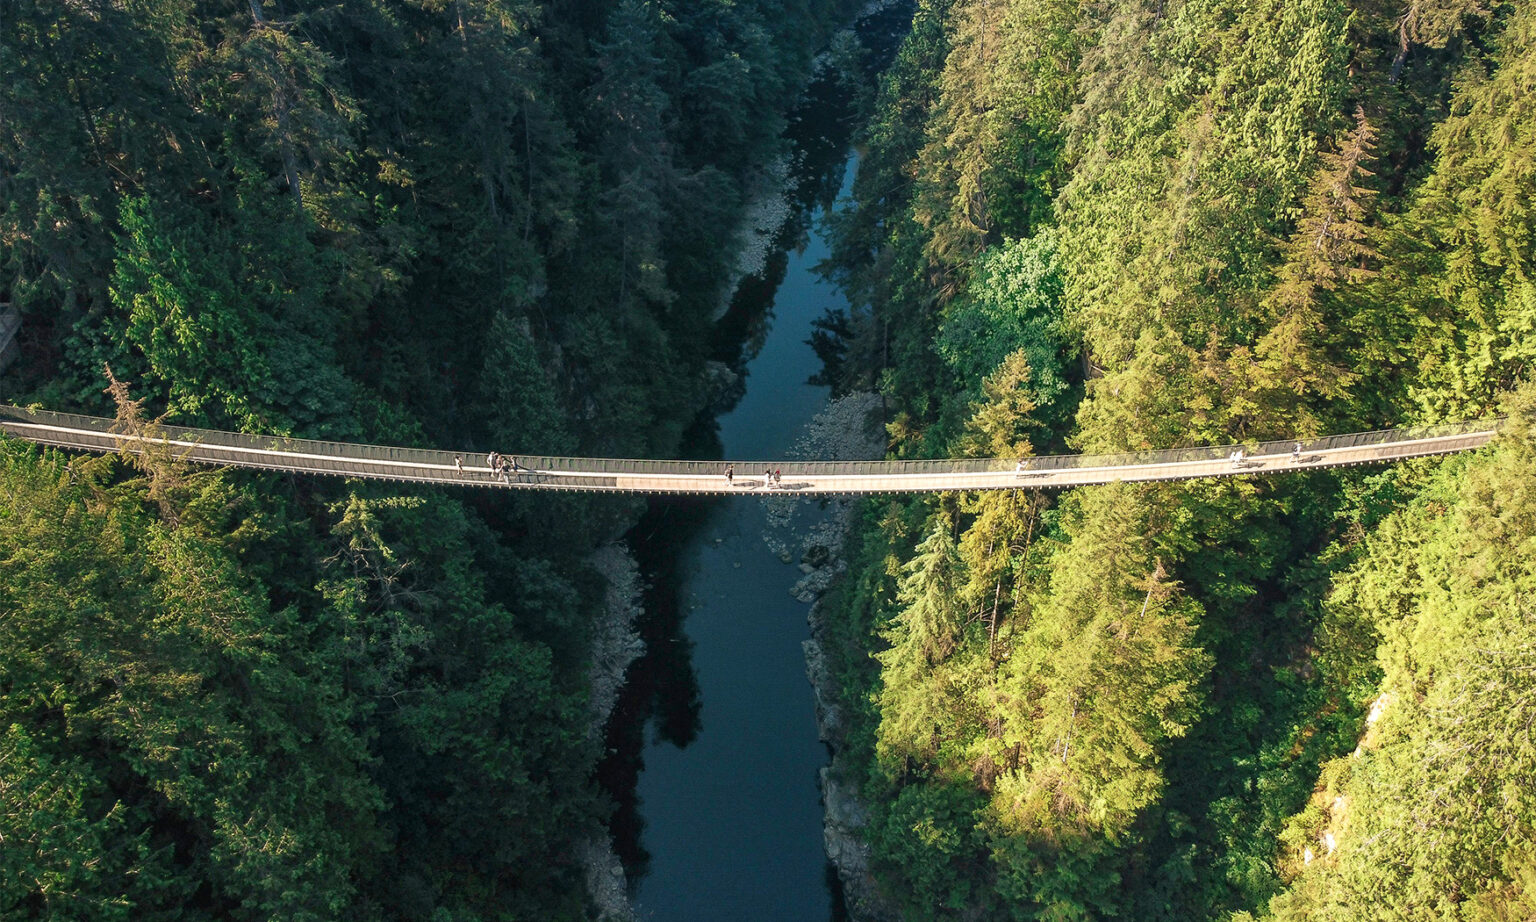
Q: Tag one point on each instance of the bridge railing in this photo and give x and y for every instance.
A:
(418, 463)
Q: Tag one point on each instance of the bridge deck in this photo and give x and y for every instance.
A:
(347, 459)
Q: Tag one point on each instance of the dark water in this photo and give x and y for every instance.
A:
(732, 819)
(713, 756)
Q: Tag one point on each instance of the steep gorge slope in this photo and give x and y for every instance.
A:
(1128, 225)
(492, 223)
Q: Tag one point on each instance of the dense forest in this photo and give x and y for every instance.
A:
(480, 223)
(1160, 223)
(1078, 226)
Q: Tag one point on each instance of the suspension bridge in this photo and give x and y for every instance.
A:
(796, 477)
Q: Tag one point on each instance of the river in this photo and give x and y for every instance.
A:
(732, 819)
(713, 751)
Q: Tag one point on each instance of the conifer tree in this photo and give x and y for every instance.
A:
(918, 701)
(952, 205)
(1462, 255)
(1000, 424)
(1431, 806)
(632, 110)
(1105, 674)
(1331, 248)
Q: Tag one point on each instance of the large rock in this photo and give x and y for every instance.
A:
(843, 835)
(845, 818)
(829, 714)
(847, 429)
(605, 881)
(614, 645)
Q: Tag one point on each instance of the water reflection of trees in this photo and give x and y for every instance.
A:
(662, 688)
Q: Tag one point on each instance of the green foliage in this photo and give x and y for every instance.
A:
(520, 392)
(493, 223)
(1459, 272)
(1447, 582)
(397, 741)
(1194, 155)
(65, 852)
(1105, 672)
(1057, 880)
(1012, 305)
(919, 685)
(999, 427)
(193, 725)
(204, 341)
(932, 832)
(1247, 237)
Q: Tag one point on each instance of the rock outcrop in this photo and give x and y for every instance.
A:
(845, 817)
(847, 429)
(615, 644)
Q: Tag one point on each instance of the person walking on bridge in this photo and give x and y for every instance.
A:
(730, 474)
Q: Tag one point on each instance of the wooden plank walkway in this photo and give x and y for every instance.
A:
(348, 459)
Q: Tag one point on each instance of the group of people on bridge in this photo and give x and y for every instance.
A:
(501, 466)
(1239, 458)
(771, 477)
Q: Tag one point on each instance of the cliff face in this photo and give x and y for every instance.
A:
(846, 817)
(615, 644)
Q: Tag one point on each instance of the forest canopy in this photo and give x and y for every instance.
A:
(1077, 226)
(498, 224)
(1127, 225)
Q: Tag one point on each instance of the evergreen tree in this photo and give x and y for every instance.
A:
(1105, 674)
(1460, 256)
(919, 699)
(1331, 247)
